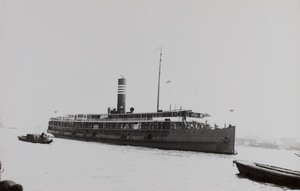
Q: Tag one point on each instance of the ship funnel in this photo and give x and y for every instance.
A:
(121, 95)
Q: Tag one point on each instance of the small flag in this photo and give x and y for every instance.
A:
(231, 110)
(169, 81)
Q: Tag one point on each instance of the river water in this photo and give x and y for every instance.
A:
(78, 166)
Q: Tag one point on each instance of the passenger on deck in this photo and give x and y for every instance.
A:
(43, 136)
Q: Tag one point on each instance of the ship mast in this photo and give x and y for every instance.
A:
(159, 79)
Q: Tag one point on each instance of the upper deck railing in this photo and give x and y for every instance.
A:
(98, 120)
(131, 116)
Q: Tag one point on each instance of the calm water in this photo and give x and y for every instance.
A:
(78, 166)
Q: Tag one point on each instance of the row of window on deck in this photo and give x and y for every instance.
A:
(142, 125)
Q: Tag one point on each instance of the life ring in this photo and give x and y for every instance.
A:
(226, 139)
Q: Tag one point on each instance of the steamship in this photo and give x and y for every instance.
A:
(172, 130)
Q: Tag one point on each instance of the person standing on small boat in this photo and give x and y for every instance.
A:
(44, 136)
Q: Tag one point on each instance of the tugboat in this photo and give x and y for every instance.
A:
(36, 138)
(173, 130)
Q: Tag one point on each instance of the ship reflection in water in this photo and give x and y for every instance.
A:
(176, 129)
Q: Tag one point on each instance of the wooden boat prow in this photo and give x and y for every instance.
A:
(268, 173)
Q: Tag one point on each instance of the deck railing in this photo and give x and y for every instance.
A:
(101, 120)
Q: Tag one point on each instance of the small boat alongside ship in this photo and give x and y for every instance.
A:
(268, 173)
(36, 138)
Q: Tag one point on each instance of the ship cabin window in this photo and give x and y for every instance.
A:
(136, 126)
(194, 114)
(169, 114)
(108, 126)
(182, 113)
(166, 125)
(93, 116)
(160, 115)
(103, 116)
(76, 124)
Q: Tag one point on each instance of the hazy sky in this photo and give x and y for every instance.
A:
(66, 56)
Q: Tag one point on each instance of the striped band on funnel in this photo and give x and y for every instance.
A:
(121, 89)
